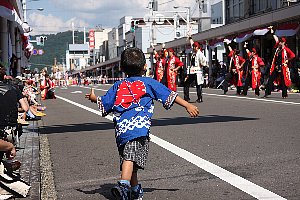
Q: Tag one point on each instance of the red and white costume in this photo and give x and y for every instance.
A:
(256, 63)
(287, 54)
(160, 67)
(173, 63)
(238, 61)
(45, 86)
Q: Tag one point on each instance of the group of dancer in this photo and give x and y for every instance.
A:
(167, 66)
(242, 72)
(249, 69)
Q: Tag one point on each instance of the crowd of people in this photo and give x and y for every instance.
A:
(167, 65)
(242, 72)
(20, 100)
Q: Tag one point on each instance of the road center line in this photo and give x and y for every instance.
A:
(233, 179)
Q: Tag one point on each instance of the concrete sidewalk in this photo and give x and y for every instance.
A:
(28, 154)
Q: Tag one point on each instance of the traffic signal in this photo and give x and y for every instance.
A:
(42, 40)
(132, 26)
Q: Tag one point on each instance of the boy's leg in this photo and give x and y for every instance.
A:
(137, 192)
(123, 189)
(127, 170)
(134, 179)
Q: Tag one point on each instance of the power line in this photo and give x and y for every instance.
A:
(166, 2)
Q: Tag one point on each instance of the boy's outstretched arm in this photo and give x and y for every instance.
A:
(190, 108)
(92, 97)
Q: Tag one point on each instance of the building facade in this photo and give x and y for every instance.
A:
(77, 57)
(14, 35)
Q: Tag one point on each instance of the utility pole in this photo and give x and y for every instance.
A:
(84, 36)
(73, 33)
(153, 6)
(24, 10)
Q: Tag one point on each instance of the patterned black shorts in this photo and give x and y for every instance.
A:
(135, 150)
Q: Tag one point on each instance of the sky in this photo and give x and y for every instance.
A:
(58, 15)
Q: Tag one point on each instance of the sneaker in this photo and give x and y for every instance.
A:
(137, 195)
(121, 191)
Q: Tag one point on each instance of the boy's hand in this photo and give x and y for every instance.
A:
(192, 110)
(92, 97)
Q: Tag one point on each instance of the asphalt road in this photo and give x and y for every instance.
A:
(239, 148)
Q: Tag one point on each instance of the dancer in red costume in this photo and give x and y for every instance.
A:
(47, 88)
(173, 65)
(160, 65)
(235, 68)
(253, 73)
(280, 66)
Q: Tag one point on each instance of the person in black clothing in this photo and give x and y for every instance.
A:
(280, 66)
(13, 66)
(9, 86)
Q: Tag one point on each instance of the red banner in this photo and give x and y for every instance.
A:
(92, 38)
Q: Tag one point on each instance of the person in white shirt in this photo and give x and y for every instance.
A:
(195, 72)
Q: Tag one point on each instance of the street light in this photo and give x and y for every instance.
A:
(25, 8)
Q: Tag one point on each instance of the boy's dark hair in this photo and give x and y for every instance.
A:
(133, 61)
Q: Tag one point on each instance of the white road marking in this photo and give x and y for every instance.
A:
(77, 92)
(233, 179)
(248, 98)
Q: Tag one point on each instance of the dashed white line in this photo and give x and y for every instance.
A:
(233, 179)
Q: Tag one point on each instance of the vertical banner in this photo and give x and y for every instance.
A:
(92, 39)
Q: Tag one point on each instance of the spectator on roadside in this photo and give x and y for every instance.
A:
(79, 75)
(13, 66)
(10, 86)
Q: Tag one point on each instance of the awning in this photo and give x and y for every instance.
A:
(8, 12)
(243, 37)
(287, 30)
(262, 31)
(216, 43)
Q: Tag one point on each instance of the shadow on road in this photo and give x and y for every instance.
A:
(104, 190)
(198, 120)
(155, 122)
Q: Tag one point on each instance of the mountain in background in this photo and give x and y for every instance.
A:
(54, 47)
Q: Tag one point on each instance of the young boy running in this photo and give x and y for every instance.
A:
(131, 101)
